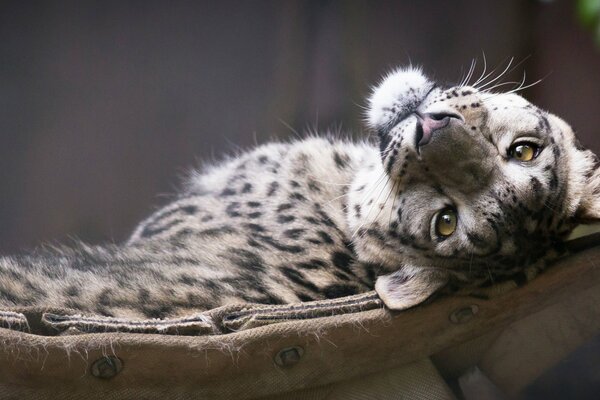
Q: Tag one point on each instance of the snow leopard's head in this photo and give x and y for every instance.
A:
(473, 186)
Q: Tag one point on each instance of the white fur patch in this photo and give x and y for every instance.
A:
(401, 89)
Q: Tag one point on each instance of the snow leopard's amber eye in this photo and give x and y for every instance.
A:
(445, 223)
(524, 151)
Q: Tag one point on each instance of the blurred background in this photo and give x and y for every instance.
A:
(104, 104)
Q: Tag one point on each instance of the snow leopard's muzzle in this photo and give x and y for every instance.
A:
(433, 135)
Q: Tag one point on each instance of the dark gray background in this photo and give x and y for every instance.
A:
(104, 104)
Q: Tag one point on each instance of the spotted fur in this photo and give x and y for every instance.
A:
(324, 218)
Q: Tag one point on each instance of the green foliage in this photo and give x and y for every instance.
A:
(588, 12)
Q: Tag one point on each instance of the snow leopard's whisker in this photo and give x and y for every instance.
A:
(487, 94)
(375, 201)
(482, 79)
(490, 79)
(489, 90)
(385, 201)
(506, 73)
(472, 71)
(394, 203)
(462, 75)
(366, 196)
(328, 202)
(461, 79)
(330, 183)
(372, 205)
(513, 90)
(467, 77)
(365, 199)
(393, 190)
(484, 70)
(525, 87)
(515, 66)
(483, 86)
(518, 64)
(519, 88)
(518, 84)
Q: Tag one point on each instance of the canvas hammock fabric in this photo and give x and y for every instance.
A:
(347, 348)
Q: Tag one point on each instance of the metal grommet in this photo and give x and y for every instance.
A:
(289, 356)
(106, 367)
(464, 314)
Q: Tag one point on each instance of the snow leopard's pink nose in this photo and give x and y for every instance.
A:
(427, 124)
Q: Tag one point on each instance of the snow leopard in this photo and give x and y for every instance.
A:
(463, 187)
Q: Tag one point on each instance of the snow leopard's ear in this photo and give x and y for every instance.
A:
(397, 95)
(583, 180)
(588, 211)
(409, 286)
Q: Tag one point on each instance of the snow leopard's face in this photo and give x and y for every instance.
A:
(476, 185)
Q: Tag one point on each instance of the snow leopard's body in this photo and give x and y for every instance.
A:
(268, 226)
(322, 218)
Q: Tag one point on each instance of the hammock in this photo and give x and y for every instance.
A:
(347, 348)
